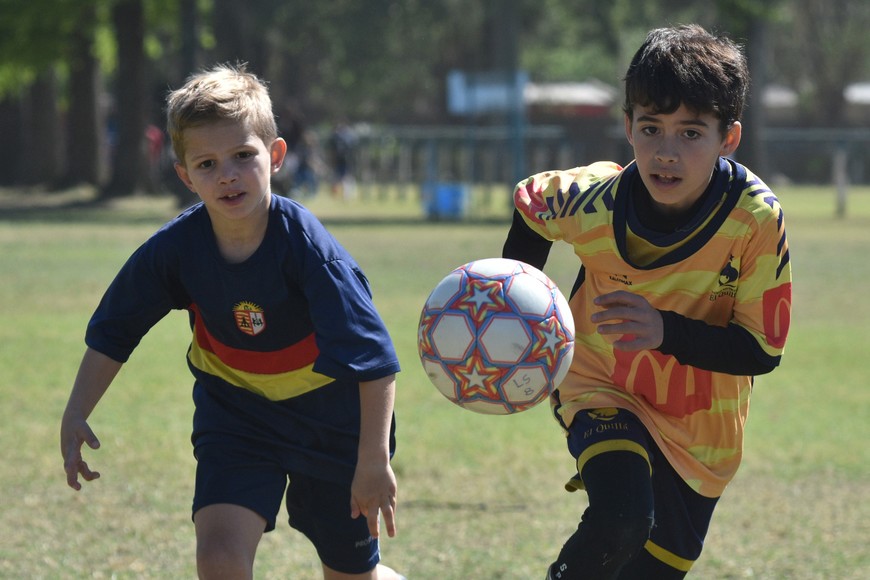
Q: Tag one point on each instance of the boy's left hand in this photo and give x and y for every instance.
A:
(631, 316)
(374, 490)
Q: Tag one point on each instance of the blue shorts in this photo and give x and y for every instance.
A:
(681, 515)
(242, 475)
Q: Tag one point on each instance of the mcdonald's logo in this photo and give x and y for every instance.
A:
(675, 389)
(776, 304)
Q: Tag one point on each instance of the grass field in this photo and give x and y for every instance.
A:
(480, 497)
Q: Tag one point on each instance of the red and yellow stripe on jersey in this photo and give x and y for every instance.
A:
(732, 267)
(276, 375)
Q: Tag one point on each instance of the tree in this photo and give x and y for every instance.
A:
(128, 155)
(84, 127)
(34, 77)
(830, 51)
(379, 61)
(42, 135)
(752, 22)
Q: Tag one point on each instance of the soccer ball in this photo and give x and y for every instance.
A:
(496, 336)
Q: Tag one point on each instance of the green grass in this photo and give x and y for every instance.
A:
(479, 496)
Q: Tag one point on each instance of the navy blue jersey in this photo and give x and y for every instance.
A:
(280, 341)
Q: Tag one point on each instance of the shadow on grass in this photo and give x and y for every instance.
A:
(464, 506)
(82, 206)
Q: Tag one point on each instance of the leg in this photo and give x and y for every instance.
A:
(617, 522)
(644, 565)
(236, 499)
(682, 520)
(321, 510)
(226, 541)
(380, 572)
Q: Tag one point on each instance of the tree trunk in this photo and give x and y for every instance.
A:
(189, 43)
(237, 38)
(753, 148)
(13, 130)
(41, 138)
(84, 127)
(128, 159)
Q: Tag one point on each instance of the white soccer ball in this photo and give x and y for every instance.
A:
(496, 336)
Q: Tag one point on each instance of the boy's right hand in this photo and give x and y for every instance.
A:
(74, 433)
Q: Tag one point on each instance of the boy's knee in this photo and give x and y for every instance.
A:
(603, 543)
(222, 556)
(226, 541)
(214, 560)
(622, 533)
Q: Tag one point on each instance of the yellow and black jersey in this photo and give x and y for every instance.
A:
(722, 281)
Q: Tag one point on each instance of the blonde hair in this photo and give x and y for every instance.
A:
(223, 93)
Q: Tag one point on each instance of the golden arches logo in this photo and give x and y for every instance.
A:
(676, 389)
(776, 304)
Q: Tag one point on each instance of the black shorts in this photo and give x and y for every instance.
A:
(238, 474)
(682, 516)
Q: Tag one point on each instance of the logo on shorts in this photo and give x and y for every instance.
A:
(605, 414)
(249, 318)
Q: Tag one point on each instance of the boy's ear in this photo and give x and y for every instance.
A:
(732, 139)
(277, 152)
(628, 130)
(181, 172)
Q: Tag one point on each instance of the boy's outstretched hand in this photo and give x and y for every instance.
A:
(73, 434)
(95, 375)
(374, 490)
(631, 316)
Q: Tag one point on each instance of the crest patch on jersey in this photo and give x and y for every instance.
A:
(249, 318)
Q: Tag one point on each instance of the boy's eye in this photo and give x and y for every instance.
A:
(245, 154)
(649, 130)
(692, 134)
(206, 164)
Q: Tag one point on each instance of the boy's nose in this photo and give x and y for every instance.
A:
(666, 154)
(228, 175)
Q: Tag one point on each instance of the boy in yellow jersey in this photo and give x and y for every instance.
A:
(683, 296)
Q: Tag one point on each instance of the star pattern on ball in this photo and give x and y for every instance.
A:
(476, 379)
(482, 297)
(549, 339)
(424, 340)
(493, 338)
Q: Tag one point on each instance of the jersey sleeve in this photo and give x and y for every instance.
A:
(351, 336)
(763, 301)
(526, 245)
(552, 203)
(142, 293)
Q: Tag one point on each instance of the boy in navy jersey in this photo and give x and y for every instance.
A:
(683, 296)
(294, 370)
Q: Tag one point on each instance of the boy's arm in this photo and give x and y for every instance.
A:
(374, 484)
(95, 374)
(752, 343)
(731, 349)
(525, 245)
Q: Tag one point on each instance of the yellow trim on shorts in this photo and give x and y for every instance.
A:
(668, 558)
(597, 449)
(576, 482)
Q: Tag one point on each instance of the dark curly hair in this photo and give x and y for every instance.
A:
(689, 66)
